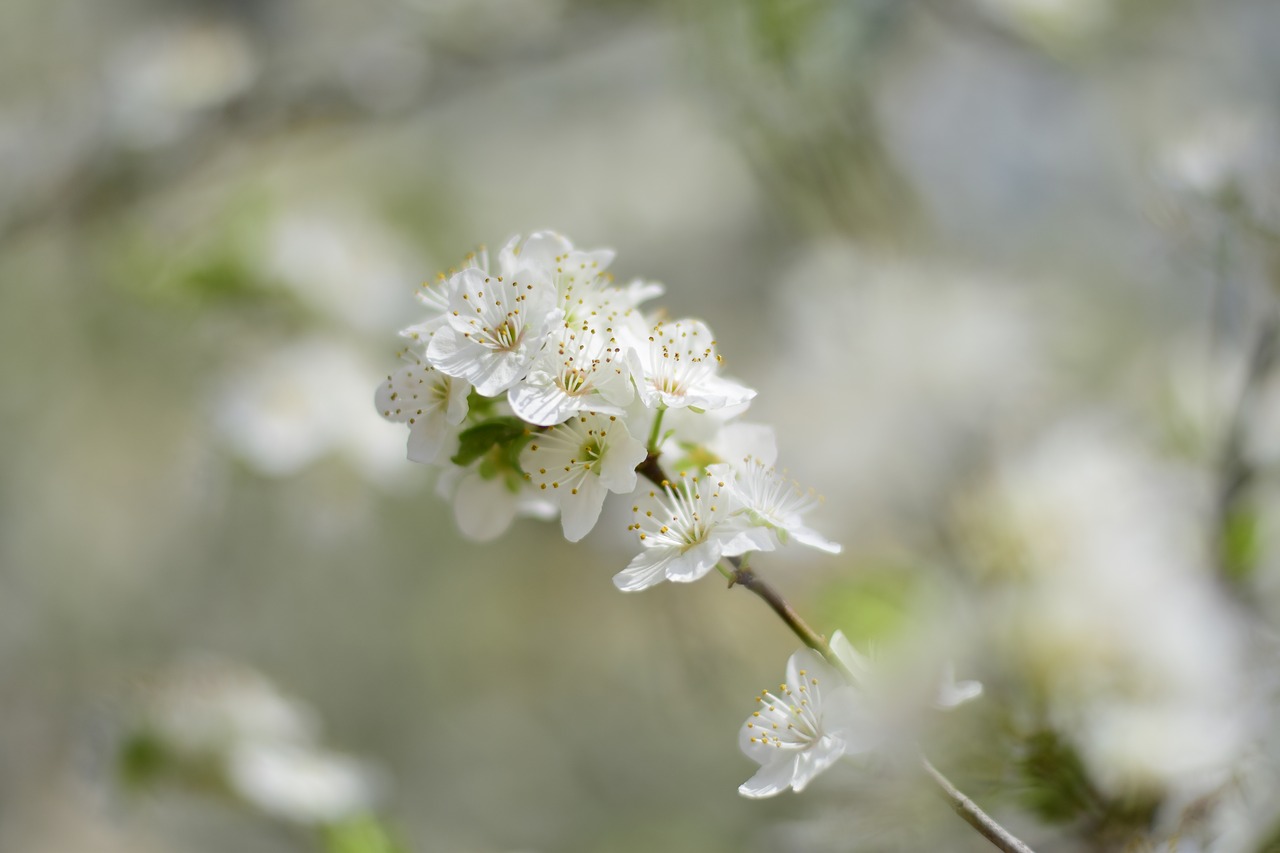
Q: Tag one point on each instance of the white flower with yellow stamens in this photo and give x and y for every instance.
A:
(771, 500)
(583, 369)
(497, 325)
(430, 402)
(679, 367)
(811, 721)
(577, 463)
(685, 532)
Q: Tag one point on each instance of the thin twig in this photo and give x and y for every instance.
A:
(973, 815)
(742, 576)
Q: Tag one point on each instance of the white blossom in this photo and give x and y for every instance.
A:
(685, 533)
(579, 462)
(810, 722)
(430, 402)
(497, 325)
(679, 368)
(772, 501)
(583, 369)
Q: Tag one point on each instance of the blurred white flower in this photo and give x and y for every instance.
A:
(205, 707)
(685, 533)
(166, 76)
(300, 403)
(215, 716)
(578, 463)
(1118, 616)
(924, 356)
(771, 500)
(342, 261)
(301, 783)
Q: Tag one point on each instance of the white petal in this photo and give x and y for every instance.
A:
(649, 568)
(851, 658)
(456, 411)
(736, 542)
(618, 467)
(450, 352)
(579, 513)
(426, 438)
(773, 778)
(814, 760)
(483, 508)
(694, 563)
(952, 693)
(810, 537)
(542, 405)
(541, 250)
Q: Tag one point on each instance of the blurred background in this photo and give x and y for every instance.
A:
(1004, 274)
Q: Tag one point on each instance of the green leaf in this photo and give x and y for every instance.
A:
(481, 438)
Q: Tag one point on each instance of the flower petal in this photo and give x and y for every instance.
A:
(649, 568)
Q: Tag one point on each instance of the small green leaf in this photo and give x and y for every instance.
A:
(481, 438)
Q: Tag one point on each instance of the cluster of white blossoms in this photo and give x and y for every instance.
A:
(541, 386)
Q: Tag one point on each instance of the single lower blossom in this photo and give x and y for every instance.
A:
(685, 532)
(580, 370)
(829, 709)
(497, 325)
(679, 367)
(810, 722)
(486, 502)
(577, 463)
(430, 402)
(771, 500)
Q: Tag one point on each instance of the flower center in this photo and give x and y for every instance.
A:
(507, 336)
(575, 381)
(590, 452)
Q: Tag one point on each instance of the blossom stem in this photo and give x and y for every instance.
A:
(654, 432)
(740, 575)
